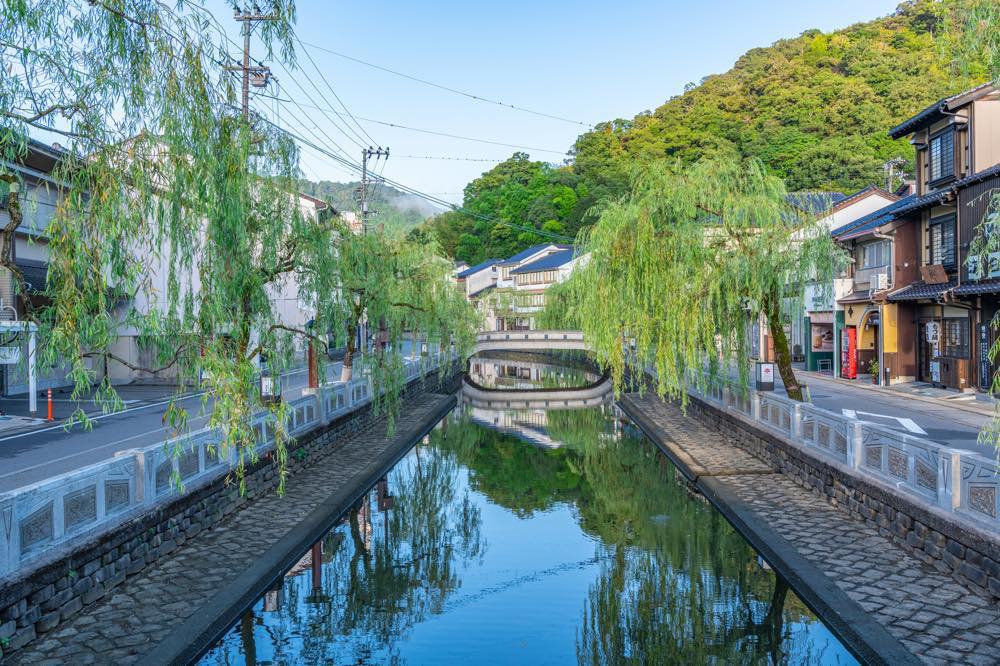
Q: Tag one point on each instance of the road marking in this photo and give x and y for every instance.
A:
(125, 411)
(908, 424)
(91, 450)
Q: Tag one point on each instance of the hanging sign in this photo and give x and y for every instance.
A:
(933, 330)
(985, 371)
(9, 355)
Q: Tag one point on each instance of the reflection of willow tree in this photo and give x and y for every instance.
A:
(379, 583)
(515, 476)
(678, 584)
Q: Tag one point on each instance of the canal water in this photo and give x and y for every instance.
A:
(553, 536)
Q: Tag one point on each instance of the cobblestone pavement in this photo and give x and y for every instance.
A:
(128, 623)
(933, 615)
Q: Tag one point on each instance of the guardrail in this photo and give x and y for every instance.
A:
(94, 499)
(957, 481)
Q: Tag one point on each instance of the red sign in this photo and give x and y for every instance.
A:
(849, 353)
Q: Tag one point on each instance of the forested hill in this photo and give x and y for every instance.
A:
(815, 108)
(394, 209)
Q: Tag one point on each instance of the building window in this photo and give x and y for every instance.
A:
(942, 155)
(955, 338)
(541, 277)
(942, 237)
(875, 254)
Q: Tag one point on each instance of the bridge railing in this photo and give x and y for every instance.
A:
(57, 512)
(963, 483)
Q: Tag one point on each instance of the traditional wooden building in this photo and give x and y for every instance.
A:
(941, 310)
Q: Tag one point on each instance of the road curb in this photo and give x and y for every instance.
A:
(187, 642)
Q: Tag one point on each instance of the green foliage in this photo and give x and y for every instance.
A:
(395, 210)
(532, 195)
(180, 218)
(685, 263)
(814, 109)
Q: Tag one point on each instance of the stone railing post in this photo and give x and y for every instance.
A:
(949, 480)
(855, 445)
(140, 477)
(796, 423)
(9, 555)
(755, 405)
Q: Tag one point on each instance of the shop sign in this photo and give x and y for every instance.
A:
(9, 355)
(985, 371)
(936, 372)
(933, 330)
(765, 376)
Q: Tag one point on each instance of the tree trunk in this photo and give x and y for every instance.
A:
(781, 351)
(347, 369)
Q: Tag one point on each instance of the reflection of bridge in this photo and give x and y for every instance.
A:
(512, 370)
(529, 341)
(558, 398)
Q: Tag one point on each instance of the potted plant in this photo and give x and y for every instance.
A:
(873, 369)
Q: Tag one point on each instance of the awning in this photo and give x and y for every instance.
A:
(857, 297)
(978, 287)
(921, 290)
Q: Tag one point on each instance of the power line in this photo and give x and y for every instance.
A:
(423, 195)
(455, 91)
(443, 157)
(444, 134)
(336, 96)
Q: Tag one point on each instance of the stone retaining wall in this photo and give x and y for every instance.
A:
(932, 536)
(57, 590)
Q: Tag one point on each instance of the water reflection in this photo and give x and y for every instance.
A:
(527, 370)
(483, 546)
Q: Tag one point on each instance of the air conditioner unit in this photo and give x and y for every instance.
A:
(881, 281)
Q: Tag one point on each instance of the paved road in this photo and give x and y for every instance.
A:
(938, 422)
(34, 456)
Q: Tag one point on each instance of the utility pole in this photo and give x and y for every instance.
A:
(367, 154)
(260, 73)
(890, 171)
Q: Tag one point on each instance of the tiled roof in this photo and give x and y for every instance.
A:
(919, 203)
(977, 177)
(483, 290)
(478, 267)
(979, 287)
(857, 296)
(921, 290)
(932, 113)
(549, 261)
(524, 254)
(871, 220)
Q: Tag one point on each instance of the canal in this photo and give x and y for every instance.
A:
(544, 536)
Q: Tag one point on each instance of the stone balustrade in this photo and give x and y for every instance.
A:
(53, 514)
(960, 482)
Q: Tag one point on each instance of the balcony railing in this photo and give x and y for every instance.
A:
(867, 278)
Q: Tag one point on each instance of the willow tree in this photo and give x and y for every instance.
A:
(686, 262)
(402, 290)
(178, 213)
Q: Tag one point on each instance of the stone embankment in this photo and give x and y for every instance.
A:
(165, 586)
(859, 559)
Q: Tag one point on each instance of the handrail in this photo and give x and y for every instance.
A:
(962, 483)
(93, 500)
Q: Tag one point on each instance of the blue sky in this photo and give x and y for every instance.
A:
(583, 60)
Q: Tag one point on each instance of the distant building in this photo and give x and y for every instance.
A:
(517, 293)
